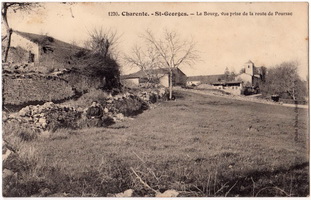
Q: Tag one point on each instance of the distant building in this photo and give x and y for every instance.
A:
(40, 49)
(157, 76)
(250, 78)
(252, 75)
(233, 87)
(207, 79)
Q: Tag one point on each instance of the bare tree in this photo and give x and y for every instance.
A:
(146, 59)
(103, 42)
(5, 8)
(172, 52)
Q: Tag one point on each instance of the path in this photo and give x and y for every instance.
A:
(242, 98)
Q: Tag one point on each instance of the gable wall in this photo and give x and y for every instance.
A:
(17, 40)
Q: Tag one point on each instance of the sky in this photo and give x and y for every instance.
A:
(222, 41)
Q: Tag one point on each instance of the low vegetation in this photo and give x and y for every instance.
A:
(198, 145)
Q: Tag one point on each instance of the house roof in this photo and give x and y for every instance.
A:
(143, 73)
(45, 40)
(206, 79)
(58, 51)
(249, 61)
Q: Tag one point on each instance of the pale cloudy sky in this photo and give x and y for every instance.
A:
(223, 41)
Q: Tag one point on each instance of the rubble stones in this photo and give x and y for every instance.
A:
(126, 193)
(168, 193)
(50, 116)
(42, 116)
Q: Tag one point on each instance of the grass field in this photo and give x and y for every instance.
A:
(198, 145)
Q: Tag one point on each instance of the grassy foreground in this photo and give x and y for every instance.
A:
(198, 145)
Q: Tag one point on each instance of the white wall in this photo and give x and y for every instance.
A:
(17, 40)
(244, 77)
(164, 80)
(236, 90)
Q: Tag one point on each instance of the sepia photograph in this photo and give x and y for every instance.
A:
(155, 99)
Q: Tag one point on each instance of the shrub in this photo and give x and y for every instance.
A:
(86, 99)
(62, 118)
(96, 66)
(128, 106)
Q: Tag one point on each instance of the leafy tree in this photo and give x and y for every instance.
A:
(283, 80)
(263, 72)
(242, 71)
(228, 76)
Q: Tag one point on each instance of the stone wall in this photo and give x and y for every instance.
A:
(26, 89)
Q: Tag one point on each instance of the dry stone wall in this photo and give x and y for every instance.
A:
(26, 88)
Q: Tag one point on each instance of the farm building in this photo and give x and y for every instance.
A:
(157, 76)
(82, 68)
(208, 79)
(41, 50)
(233, 87)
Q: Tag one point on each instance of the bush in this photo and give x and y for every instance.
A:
(283, 80)
(95, 66)
(62, 118)
(128, 106)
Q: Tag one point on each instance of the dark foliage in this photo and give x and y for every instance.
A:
(128, 107)
(284, 81)
(94, 65)
(62, 118)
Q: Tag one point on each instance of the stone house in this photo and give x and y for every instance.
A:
(157, 76)
(41, 50)
(82, 68)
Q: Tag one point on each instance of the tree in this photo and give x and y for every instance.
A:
(172, 52)
(242, 71)
(263, 72)
(228, 76)
(103, 43)
(146, 59)
(5, 8)
(283, 80)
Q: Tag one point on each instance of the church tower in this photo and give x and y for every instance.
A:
(249, 68)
